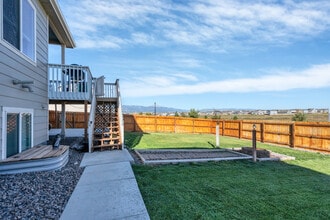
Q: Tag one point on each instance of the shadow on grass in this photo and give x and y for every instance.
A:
(132, 139)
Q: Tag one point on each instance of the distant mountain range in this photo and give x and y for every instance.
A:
(128, 109)
(159, 109)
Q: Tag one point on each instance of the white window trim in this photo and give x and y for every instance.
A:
(11, 47)
(20, 111)
(1, 22)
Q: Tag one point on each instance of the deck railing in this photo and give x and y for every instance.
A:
(69, 82)
(110, 90)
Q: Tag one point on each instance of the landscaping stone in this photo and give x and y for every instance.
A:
(39, 195)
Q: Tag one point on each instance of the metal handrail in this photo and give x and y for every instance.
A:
(69, 82)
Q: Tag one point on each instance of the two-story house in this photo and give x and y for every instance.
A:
(27, 27)
(28, 83)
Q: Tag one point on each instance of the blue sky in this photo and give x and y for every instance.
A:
(264, 54)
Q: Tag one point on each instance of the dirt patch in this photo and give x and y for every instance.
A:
(190, 155)
(202, 155)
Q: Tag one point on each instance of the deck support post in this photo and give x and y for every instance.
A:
(63, 54)
(86, 121)
(63, 120)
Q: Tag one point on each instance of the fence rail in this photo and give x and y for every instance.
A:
(307, 135)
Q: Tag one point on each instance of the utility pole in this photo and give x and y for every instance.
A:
(155, 112)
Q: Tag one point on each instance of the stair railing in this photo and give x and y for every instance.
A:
(120, 114)
(91, 119)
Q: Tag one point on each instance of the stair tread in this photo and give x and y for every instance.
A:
(108, 145)
(106, 139)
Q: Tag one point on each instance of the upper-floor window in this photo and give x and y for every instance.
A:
(19, 25)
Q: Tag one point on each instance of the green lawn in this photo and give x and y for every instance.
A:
(139, 140)
(298, 189)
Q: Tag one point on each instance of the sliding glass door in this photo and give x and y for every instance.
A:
(18, 124)
(26, 131)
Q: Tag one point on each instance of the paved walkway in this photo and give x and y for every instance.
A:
(107, 189)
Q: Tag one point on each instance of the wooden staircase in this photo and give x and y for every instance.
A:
(107, 133)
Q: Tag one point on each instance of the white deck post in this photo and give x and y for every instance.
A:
(63, 115)
(63, 120)
(63, 54)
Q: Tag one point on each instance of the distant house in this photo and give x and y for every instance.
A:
(260, 112)
(311, 111)
(27, 27)
(272, 112)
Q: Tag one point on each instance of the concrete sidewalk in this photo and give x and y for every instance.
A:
(107, 189)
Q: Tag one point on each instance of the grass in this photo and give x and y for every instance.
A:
(139, 140)
(296, 189)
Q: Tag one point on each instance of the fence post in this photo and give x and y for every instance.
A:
(193, 121)
(254, 143)
(134, 119)
(174, 125)
(262, 132)
(74, 120)
(223, 128)
(292, 135)
(240, 125)
(57, 124)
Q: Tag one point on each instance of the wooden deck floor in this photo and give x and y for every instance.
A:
(37, 152)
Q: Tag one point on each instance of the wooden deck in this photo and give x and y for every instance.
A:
(38, 158)
(37, 152)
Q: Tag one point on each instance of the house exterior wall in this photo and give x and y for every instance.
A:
(15, 66)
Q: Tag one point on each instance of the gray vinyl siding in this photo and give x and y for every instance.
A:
(16, 67)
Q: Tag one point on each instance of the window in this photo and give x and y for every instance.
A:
(17, 131)
(19, 25)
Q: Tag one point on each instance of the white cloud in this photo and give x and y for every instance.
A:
(204, 23)
(186, 76)
(312, 78)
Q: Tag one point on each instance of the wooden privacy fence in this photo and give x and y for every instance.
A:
(73, 119)
(307, 135)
